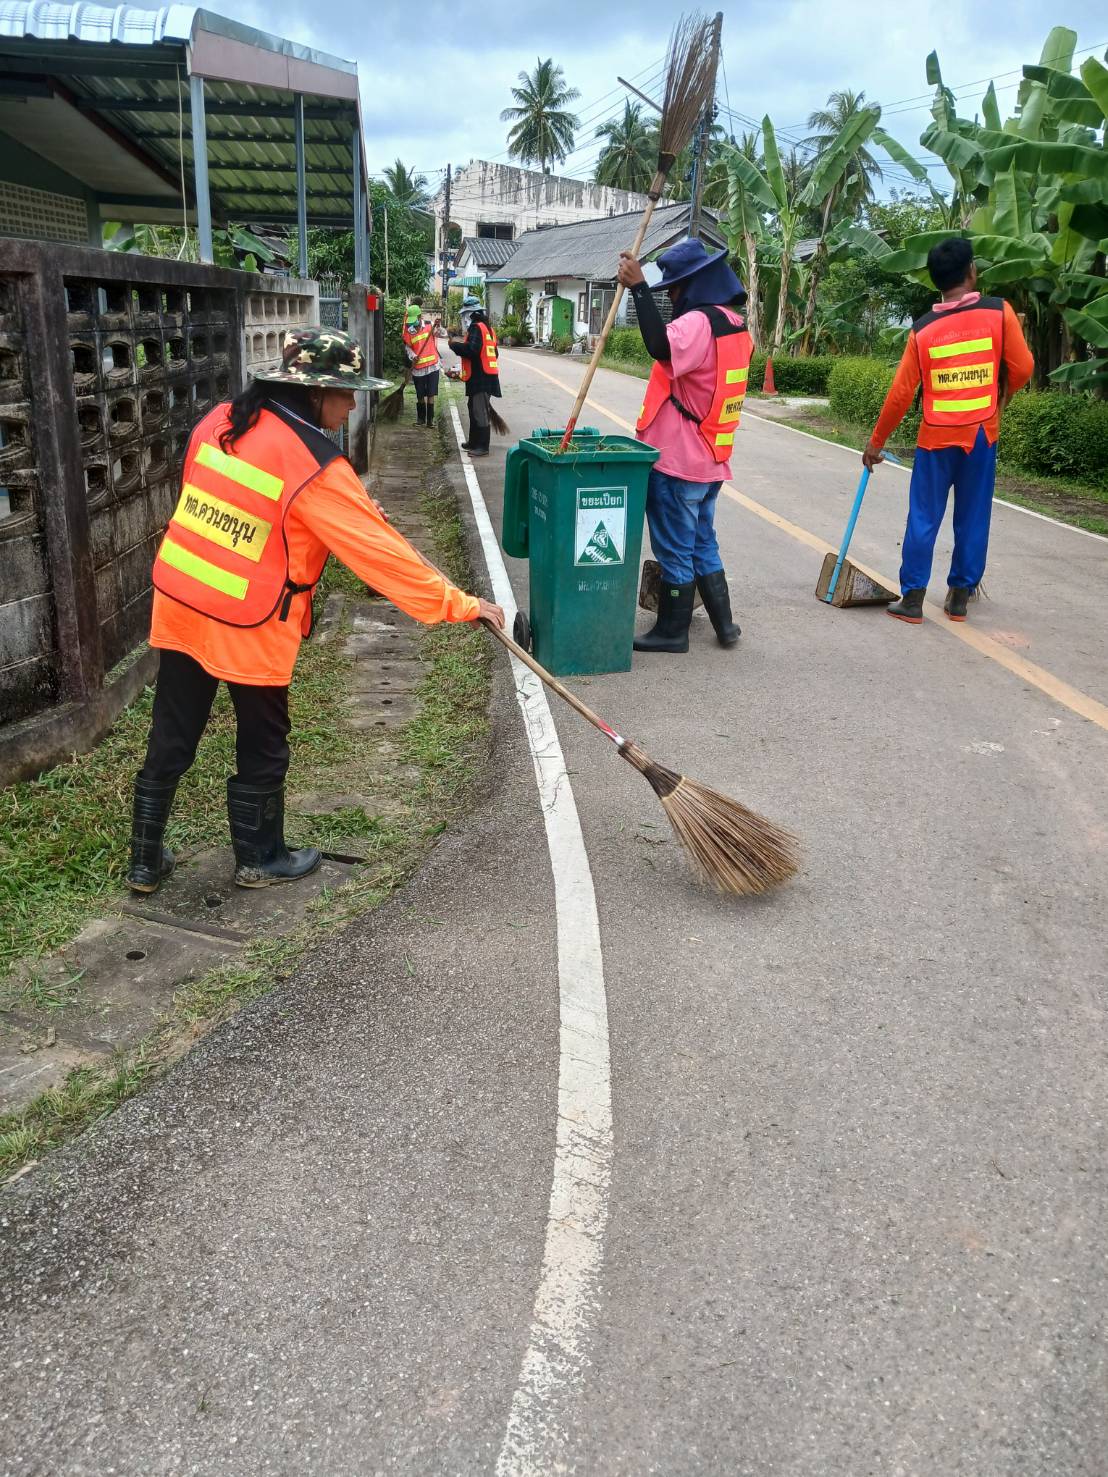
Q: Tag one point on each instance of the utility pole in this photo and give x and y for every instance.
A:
(445, 255)
(703, 135)
(385, 213)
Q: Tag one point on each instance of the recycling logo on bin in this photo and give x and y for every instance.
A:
(601, 534)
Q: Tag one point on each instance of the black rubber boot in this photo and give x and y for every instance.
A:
(479, 441)
(429, 412)
(257, 820)
(151, 861)
(909, 607)
(717, 602)
(957, 602)
(671, 632)
(421, 412)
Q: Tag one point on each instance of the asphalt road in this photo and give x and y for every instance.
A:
(858, 1191)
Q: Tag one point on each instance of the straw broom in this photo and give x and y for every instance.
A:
(734, 849)
(690, 85)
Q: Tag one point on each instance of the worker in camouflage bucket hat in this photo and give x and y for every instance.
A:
(322, 356)
(266, 495)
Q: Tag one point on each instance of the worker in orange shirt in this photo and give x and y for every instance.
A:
(970, 357)
(265, 497)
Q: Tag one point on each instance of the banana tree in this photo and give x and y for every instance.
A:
(1031, 192)
(753, 195)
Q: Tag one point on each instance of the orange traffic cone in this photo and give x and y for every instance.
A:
(768, 387)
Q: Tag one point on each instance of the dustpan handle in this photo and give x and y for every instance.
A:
(863, 482)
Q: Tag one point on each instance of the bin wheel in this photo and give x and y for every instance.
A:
(521, 631)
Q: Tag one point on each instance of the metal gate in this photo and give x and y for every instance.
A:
(333, 292)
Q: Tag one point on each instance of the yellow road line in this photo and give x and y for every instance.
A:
(1054, 687)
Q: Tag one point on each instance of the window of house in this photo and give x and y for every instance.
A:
(550, 288)
(582, 306)
(496, 230)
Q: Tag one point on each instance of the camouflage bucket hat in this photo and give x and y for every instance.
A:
(323, 357)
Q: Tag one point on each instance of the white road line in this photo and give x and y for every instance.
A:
(768, 420)
(553, 1367)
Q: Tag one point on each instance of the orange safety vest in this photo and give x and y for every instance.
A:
(225, 553)
(960, 354)
(489, 362)
(734, 348)
(422, 345)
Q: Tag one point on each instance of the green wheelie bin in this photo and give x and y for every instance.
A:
(577, 517)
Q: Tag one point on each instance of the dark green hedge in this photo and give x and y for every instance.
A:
(791, 376)
(1049, 433)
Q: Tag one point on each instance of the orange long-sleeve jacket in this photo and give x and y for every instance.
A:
(333, 514)
(1017, 359)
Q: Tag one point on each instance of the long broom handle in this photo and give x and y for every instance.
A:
(540, 671)
(863, 482)
(552, 682)
(609, 323)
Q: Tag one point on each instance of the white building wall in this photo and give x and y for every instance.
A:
(524, 199)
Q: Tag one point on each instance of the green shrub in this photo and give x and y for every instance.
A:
(805, 376)
(625, 345)
(1053, 433)
(395, 360)
(512, 331)
(858, 386)
(561, 343)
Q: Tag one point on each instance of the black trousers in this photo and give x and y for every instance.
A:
(182, 704)
(479, 410)
(426, 385)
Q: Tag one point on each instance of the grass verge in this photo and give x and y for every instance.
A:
(63, 836)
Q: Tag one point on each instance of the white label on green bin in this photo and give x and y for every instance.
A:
(601, 536)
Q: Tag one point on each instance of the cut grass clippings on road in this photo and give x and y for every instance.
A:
(63, 837)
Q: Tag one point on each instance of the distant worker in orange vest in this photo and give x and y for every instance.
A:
(265, 497)
(423, 360)
(478, 351)
(970, 357)
(690, 412)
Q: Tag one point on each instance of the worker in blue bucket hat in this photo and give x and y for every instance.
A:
(690, 413)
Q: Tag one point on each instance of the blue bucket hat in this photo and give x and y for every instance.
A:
(708, 276)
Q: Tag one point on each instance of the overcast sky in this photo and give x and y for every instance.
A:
(435, 76)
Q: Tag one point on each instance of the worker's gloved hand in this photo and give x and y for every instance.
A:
(871, 457)
(629, 272)
(490, 612)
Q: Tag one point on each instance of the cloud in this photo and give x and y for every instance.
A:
(434, 79)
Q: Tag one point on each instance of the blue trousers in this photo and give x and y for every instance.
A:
(681, 517)
(972, 475)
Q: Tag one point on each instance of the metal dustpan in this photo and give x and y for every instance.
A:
(842, 583)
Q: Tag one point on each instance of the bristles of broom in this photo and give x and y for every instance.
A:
(734, 849)
(690, 88)
(390, 407)
(498, 423)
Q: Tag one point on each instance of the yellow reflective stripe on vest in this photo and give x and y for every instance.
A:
(234, 468)
(955, 407)
(221, 523)
(966, 346)
(737, 376)
(725, 438)
(963, 376)
(199, 569)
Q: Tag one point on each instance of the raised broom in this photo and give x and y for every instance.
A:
(690, 86)
(734, 849)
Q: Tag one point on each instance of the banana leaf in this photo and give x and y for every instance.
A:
(1038, 157)
(747, 179)
(833, 162)
(1082, 374)
(900, 155)
(1095, 77)
(774, 173)
(1012, 211)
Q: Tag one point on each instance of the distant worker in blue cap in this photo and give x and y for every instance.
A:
(480, 372)
(690, 413)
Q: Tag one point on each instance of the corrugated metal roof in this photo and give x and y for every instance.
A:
(138, 100)
(590, 250)
(487, 251)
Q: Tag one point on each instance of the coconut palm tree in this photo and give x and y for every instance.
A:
(543, 131)
(406, 187)
(863, 169)
(630, 155)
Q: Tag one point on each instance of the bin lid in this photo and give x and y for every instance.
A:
(588, 445)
